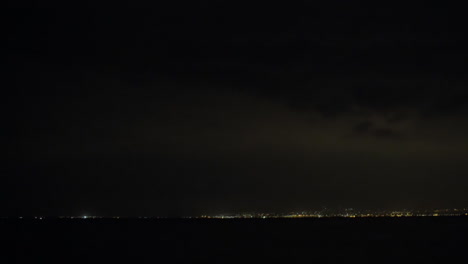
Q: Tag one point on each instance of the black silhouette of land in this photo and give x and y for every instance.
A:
(306, 240)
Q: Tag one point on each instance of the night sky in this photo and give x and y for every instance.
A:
(217, 108)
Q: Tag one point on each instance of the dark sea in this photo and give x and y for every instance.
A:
(324, 240)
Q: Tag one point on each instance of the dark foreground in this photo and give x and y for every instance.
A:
(359, 240)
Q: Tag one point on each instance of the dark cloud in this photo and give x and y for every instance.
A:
(363, 127)
(368, 129)
(386, 133)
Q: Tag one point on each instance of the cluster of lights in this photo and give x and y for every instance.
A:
(347, 213)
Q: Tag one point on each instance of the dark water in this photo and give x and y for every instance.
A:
(367, 240)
